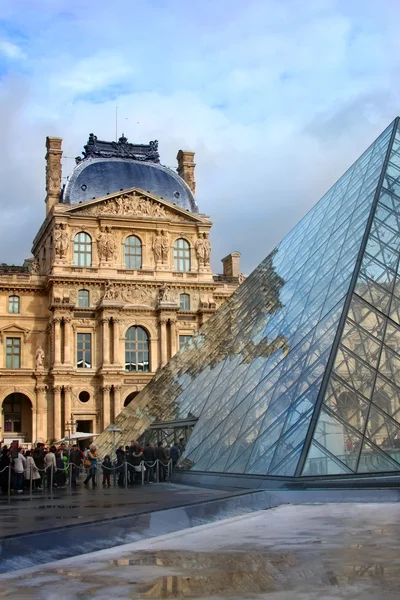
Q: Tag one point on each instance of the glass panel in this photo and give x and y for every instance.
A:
(321, 462)
(372, 460)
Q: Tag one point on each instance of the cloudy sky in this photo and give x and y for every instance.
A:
(277, 99)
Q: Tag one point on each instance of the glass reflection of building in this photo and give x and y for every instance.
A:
(298, 374)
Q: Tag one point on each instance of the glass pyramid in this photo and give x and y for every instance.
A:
(298, 373)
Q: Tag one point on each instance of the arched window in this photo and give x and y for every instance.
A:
(137, 349)
(13, 304)
(82, 250)
(184, 302)
(181, 255)
(133, 252)
(83, 298)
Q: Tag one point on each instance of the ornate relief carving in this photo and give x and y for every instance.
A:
(131, 294)
(34, 267)
(131, 205)
(166, 294)
(61, 240)
(106, 246)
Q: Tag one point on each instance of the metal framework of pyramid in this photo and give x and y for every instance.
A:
(298, 373)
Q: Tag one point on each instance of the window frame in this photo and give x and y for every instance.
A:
(80, 297)
(183, 339)
(182, 255)
(133, 260)
(85, 350)
(184, 302)
(137, 351)
(83, 250)
(13, 357)
(14, 300)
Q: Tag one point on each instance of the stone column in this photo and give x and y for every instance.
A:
(106, 405)
(116, 360)
(57, 412)
(67, 341)
(41, 413)
(173, 337)
(67, 406)
(34, 423)
(163, 341)
(117, 400)
(57, 340)
(106, 341)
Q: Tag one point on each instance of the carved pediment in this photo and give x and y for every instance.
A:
(13, 329)
(134, 203)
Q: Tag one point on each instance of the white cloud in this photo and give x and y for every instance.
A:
(11, 51)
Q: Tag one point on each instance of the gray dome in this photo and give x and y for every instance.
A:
(96, 177)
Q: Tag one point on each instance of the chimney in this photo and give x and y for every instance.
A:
(231, 264)
(53, 171)
(186, 167)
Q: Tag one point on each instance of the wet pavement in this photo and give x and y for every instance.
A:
(304, 552)
(21, 514)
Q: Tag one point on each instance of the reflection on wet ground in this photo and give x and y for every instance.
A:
(20, 514)
(309, 552)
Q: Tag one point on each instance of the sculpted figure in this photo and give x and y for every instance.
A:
(110, 245)
(164, 247)
(102, 244)
(206, 249)
(57, 240)
(39, 358)
(158, 247)
(200, 250)
(64, 241)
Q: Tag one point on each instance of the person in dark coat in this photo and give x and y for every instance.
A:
(107, 468)
(4, 468)
(120, 466)
(160, 455)
(75, 458)
(174, 454)
(149, 458)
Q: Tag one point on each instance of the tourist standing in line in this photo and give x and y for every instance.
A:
(30, 471)
(92, 458)
(120, 466)
(38, 456)
(18, 465)
(75, 458)
(4, 468)
(162, 458)
(174, 454)
(50, 464)
(107, 468)
(182, 445)
(149, 458)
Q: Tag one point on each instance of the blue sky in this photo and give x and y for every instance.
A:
(277, 99)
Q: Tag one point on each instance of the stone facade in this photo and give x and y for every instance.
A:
(115, 286)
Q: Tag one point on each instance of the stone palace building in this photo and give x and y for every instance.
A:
(119, 281)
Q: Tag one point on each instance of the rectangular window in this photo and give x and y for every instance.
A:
(13, 304)
(13, 353)
(183, 339)
(84, 351)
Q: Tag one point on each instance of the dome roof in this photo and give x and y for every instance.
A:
(109, 167)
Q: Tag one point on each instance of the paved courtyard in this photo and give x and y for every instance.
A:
(304, 552)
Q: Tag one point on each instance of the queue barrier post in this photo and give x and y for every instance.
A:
(9, 479)
(31, 481)
(126, 474)
(143, 468)
(157, 471)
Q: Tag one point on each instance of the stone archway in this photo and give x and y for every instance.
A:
(130, 397)
(17, 418)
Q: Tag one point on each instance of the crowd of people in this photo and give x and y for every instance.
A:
(51, 466)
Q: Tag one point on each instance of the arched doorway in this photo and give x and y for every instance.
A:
(17, 418)
(130, 397)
